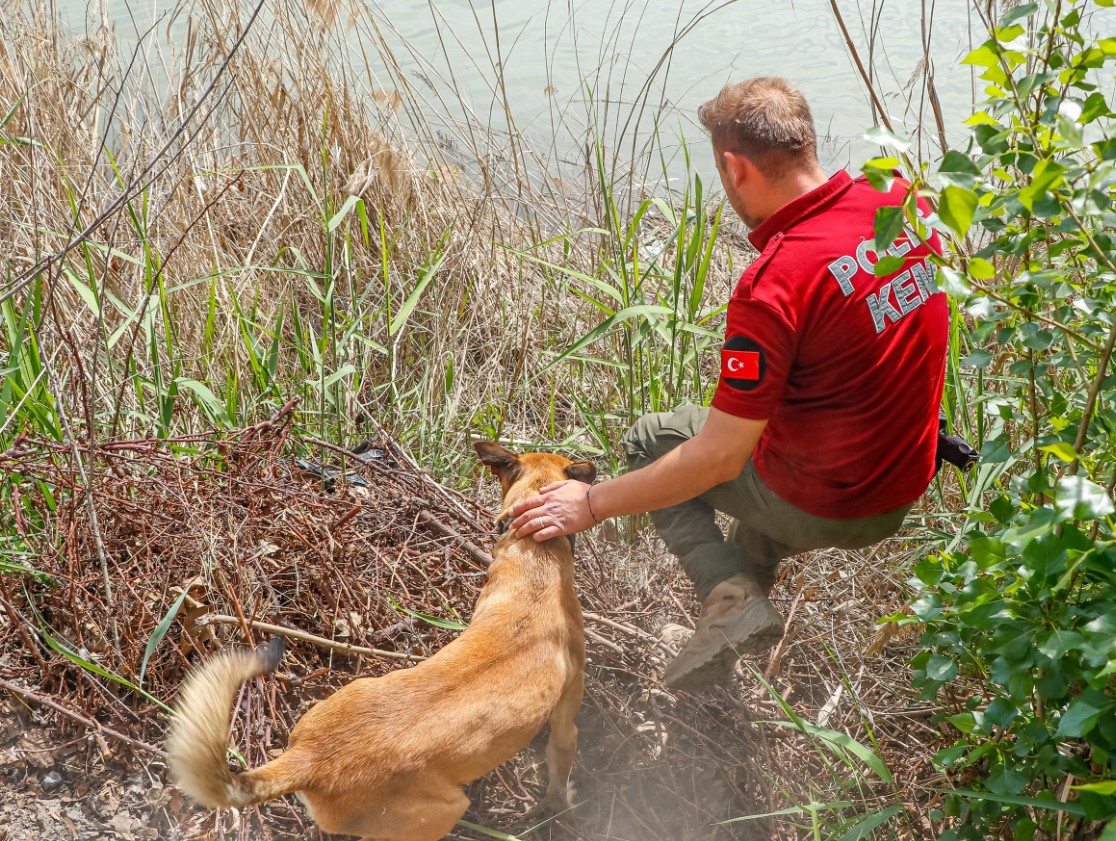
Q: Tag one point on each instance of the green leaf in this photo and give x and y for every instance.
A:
(1040, 523)
(1056, 644)
(340, 215)
(1056, 805)
(1006, 781)
(1061, 450)
(63, 647)
(1104, 624)
(425, 276)
(1095, 106)
(868, 825)
(1000, 713)
(958, 168)
(887, 138)
(880, 172)
(641, 313)
(1070, 131)
(213, 408)
(983, 56)
(1079, 498)
(844, 742)
(941, 668)
(979, 358)
(1007, 34)
(887, 163)
(981, 118)
(84, 290)
(965, 722)
(1109, 833)
(880, 179)
(444, 624)
(981, 269)
(952, 282)
(956, 208)
(11, 112)
(160, 632)
(1002, 509)
(1046, 176)
(887, 265)
(21, 141)
(1082, 714)
(344, 371)
(887, 225)
(1018, 13)
(1108, 787)
(947, 757)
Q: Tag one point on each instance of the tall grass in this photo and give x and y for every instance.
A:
(305, 234)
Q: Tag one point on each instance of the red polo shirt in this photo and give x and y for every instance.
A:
(847, 367)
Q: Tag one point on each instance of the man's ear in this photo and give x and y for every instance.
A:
(583, 471)
(738, 167)
(499, 460)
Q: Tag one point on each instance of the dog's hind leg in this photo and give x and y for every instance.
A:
(426, 812)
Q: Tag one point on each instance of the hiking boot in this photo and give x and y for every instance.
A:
(736, 618)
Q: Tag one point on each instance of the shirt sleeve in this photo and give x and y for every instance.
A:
(756, 358)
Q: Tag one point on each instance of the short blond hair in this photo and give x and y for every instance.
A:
(767, 120)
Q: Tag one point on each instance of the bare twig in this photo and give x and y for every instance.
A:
(303, 636)
(92, 725)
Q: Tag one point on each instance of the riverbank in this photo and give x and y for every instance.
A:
(182, 267)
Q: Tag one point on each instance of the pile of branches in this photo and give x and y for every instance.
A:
(146, 555)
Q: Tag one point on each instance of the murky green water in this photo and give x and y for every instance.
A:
(550, 50)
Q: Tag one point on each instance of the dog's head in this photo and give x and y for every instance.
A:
(522, 476)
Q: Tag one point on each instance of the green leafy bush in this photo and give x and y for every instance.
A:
(1020, 609)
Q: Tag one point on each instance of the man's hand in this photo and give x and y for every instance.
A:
(716, 454)
(560, 509)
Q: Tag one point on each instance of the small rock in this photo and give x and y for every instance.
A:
(673, 634)
(124, 825)
(51, 782)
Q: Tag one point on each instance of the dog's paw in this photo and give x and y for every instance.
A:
(553, 805)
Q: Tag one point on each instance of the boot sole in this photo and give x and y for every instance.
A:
(753, 630)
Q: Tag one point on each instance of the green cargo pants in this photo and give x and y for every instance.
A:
(766, 529)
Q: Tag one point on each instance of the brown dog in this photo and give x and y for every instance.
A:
(386, 758)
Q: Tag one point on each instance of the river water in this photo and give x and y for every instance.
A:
(554, 52)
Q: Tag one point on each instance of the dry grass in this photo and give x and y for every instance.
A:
(230, 519)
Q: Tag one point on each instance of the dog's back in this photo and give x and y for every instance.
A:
(471, 706)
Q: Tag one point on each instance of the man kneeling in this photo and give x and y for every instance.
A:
(823, 427)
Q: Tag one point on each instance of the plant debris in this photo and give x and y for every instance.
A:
(223, 538)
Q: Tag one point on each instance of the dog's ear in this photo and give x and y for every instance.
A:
(499, 460)
(583, 471)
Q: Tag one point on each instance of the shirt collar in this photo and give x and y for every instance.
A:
(793, 211)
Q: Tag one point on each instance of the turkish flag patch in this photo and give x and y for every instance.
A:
(743, 363)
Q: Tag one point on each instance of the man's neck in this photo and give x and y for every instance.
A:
(786, 190)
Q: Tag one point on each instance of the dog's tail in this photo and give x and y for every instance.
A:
(196, 743)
